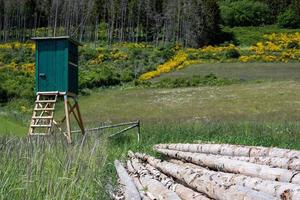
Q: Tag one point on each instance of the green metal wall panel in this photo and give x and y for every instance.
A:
(61, 57)
(73, 67)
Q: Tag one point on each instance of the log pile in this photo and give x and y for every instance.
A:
(212, 171)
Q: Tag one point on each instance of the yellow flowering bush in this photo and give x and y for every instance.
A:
(189, 62)
(214, 53)
(118, 55)
(28, 67)
(218, 49)
(131, 45)
(174, 63)
(284, 39)
(282, 47)
(17, 45)
(98, 60)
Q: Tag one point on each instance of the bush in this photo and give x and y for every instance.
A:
(245, 13)
(232, 53)
(289, 19)
(103, 76)
(16, 84)
(3, 95)
(293, 45)
(87, 54)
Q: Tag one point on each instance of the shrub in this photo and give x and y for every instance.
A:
(245, 13)
(103, 76)
(127, 75)
(3, 95)
(87, 54)
(16, 84)
(289, 19)
(232, 53)
(293, 45)
(6, 56)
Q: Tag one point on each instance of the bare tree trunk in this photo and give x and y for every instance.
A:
(204, 182)
(274, 188)
(232, 150)
(182, 191)
(130, 191)
(55, 18)
(137, 182)
(155, 188)
(278, 162)
(235, 166)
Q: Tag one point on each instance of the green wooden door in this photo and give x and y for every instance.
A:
(46, 66)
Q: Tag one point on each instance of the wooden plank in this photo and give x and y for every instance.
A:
(67, 119)
(41, 125)
(42, 117)
(44, 109)
(79, 117)
(46, 101)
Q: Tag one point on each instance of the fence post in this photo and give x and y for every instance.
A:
(139, 130)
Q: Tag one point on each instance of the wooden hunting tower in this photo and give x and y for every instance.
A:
(56, 75)
(57, 65)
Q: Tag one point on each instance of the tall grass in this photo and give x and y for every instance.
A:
(48, 168)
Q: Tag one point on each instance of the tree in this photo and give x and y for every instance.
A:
(190, 22)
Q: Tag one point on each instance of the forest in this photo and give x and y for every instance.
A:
(192, 23)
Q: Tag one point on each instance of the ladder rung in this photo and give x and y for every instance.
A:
(42, 117)
(38, 134)
(45, 101)
(41, 126)
(43, 109)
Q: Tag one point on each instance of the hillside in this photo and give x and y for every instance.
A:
(192, 71)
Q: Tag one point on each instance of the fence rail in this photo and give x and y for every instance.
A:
(131, 125)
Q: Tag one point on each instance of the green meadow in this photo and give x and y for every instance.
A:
(263, 110)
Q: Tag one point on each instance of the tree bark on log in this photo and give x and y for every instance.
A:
(137, 182)
(284, 163)
(280, 190)
(139, 186)
(130, 190)
(156, 188)
(182, 191)
(277, 162)
(232, 150)
(234, 166)
(204, 182)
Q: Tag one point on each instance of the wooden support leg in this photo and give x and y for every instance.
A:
(79, 117)
(67, 119)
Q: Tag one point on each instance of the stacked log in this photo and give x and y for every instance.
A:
(214, 171)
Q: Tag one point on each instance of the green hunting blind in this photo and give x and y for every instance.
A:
(56, 75)
(56, 64)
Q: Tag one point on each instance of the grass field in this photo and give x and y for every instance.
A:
(11, 127)
(269, 101)
(242, 71)
(262, 110)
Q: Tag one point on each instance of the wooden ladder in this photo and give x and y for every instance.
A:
(43, 113)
